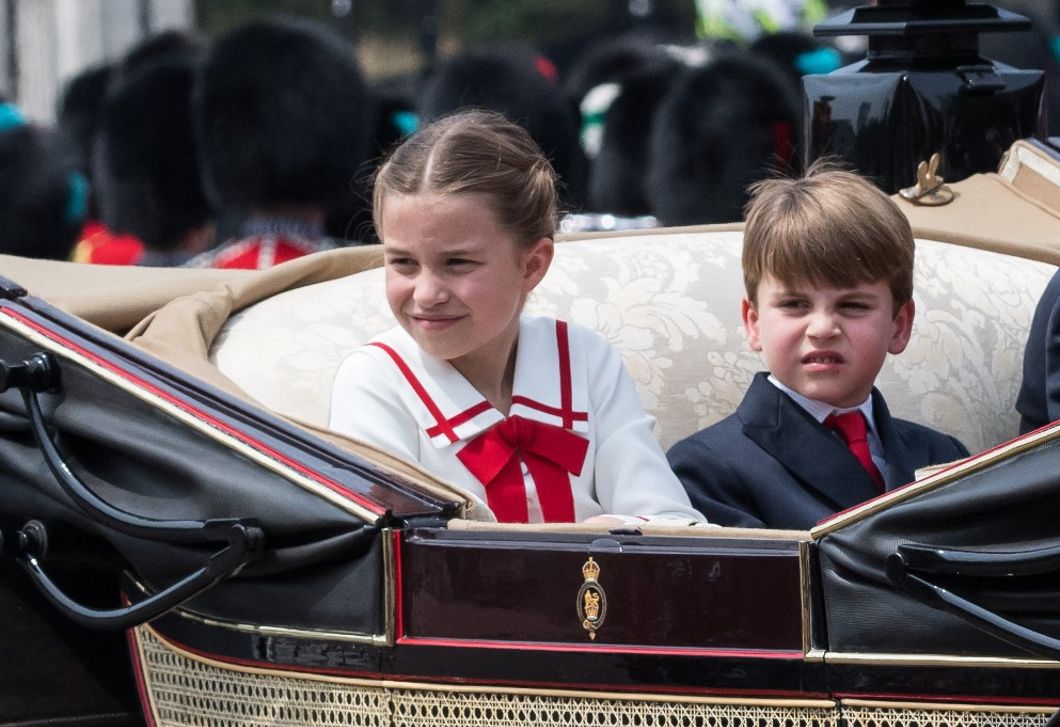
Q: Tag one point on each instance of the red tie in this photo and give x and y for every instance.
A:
(851, 427)
(550, 453)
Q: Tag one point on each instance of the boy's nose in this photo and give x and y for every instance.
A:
(823, 324)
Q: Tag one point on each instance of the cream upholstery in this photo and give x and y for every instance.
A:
(671, 303)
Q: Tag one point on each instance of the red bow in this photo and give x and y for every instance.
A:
(550, 453)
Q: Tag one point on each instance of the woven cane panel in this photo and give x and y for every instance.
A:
(457, 709)
(186, 692)
(903, 717)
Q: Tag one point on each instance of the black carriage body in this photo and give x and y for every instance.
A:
(883, 118)
(923, 89)
(154, 444)
(429, 619)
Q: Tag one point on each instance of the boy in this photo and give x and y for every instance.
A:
(828, 270)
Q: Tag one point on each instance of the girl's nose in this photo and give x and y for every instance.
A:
(430, 290)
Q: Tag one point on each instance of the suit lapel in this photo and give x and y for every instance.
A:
(816, 458)
(902, 453)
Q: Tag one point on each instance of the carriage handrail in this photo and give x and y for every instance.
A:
(243, 537)
(908, 567)
(220, 565)
(40, 373)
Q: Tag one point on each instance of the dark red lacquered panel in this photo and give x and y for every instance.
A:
(663, 593)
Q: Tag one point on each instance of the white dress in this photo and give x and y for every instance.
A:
(596, 455)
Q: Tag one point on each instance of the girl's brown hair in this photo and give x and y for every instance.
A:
(829, 227)
(475, 152)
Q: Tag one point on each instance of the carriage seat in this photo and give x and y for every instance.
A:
(670, 301)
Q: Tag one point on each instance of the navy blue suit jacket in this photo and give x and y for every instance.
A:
(1039, 398)
(773, 465)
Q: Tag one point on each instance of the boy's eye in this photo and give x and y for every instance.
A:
(855, 306)
(792, 304)
(401, 262)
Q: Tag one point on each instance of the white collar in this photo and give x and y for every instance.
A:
(536, 388)
(820, 410)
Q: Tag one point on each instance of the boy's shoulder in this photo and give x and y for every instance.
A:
(916, 431)
(723, 435)
(718, 436)
(938, 445)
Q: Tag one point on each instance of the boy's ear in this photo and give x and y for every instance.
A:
(536, 262)
(750, 323)
(903, 328)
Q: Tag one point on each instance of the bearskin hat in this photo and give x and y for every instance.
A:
(721, 127)
(145, 168)
(514, 81)
(43, 196)
(618, 175)
(78, 111)
(169, 45)
(77, 117)
(611, 59)
(283, 116)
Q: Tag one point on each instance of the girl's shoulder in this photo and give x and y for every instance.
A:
(391, 344)
(581, 341)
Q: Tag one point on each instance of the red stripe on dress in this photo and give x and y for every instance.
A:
(566, 400)
(460, 418)
(580, 416)
(442, 426)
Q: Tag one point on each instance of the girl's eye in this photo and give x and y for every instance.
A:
(460, 262)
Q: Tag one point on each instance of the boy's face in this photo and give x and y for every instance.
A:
(828, 344)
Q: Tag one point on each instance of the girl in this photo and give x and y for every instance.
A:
(536, 417)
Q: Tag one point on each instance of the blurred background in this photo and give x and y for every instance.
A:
(44, 43)
(653, 112)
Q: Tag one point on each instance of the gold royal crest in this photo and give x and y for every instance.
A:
(592, 601)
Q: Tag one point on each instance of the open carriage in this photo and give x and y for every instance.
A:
(185, 544)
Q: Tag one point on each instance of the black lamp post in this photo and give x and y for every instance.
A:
(922, 89)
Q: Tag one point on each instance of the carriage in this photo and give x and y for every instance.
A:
(185, 543)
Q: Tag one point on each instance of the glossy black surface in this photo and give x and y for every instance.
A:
(884, 120)
(922, 89)
(603, 668)
(58, 673)
(554, 666)
(971, 684)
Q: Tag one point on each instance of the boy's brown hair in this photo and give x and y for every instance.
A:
(831, 227)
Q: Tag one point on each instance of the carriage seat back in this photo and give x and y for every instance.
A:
(670, 301)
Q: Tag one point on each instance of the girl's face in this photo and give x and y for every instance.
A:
(456, 280)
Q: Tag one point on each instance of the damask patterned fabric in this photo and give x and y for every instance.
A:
(671, 304)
